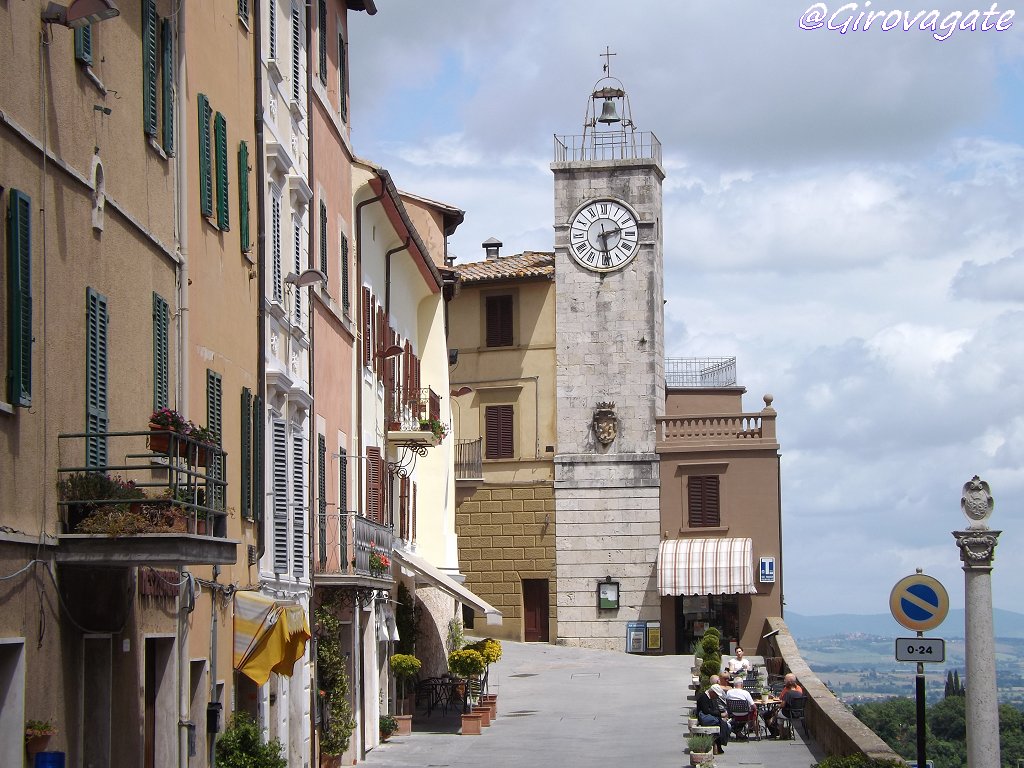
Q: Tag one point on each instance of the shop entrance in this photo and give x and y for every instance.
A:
(696, 613)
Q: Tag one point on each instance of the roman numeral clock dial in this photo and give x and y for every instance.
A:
(603, 235)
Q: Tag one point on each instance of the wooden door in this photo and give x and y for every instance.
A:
(535, 610)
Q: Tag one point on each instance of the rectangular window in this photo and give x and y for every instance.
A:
(220, 132)
(157, 76)
(243, 196)
(499, 321)
(247, 491)
(96, 379)
(345, 299)
(321, 499)
(321, 29)
(272, 30)
(277, 286)
(83, 44)
(205, 159)
(498, 432)
(243, 10)
(161, 345)
(323, 237)
(703, 502)
(403, 508)
(342, 79)
(280, 479)
(298, 504)
(214, 422)
(374, 484)
(19, 299)
(297, 38)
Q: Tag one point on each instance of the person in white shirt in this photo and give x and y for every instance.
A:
(737, 692)
(738, 665)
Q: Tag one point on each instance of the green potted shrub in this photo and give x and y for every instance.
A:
(241, 746)
(404, 666)
(87, 492)
(700, 745)
(388, 725)
(336, 723)
(435, 426)
(712, 663)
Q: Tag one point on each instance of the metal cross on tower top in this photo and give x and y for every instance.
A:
(607, 61)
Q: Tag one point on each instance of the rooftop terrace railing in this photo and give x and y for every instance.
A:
(696, 372)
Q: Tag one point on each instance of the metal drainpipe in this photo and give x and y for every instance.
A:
(181, 225)
(260, 499)
(357, 663)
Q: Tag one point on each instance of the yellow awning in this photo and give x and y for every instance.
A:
(269, 636)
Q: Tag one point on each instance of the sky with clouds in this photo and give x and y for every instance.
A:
(844, 214)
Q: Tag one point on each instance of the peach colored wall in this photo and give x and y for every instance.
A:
(688, 402)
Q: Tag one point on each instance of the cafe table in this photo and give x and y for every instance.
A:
(767, 707)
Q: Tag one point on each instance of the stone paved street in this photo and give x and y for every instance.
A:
(576, 708)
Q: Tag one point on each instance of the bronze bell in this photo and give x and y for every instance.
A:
(608, 113)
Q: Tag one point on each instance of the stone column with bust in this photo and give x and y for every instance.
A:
(610, 369)
(977, 547)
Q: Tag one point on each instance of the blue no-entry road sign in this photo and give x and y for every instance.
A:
(919, 602)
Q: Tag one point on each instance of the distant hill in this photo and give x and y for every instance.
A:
(1007, 624)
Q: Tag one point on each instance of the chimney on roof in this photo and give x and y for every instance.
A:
(491, 247)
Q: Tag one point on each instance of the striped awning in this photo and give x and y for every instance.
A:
(428, 574)
(706, 567)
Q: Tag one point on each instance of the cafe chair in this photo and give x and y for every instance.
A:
(794, 711)
(742, 715)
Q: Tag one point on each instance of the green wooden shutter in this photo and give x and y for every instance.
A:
(374, 482)
(342, 79)
(321, 496)
(323, 237)
(96, 419)
(322, 38)
(205, 170)
(343, 481)
(345, 300)
(215, 423)
(83, 44)
(247, 455)
(161, 336)
(243, 196)
(259, 497)
(19, 299)
(149, 60)
(221, 136)
(167, 85)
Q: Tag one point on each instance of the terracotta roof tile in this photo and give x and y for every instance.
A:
(520, 265)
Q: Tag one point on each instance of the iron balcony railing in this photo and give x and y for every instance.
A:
(160, 482)
(608, 145)
(422, 406)
(697, 372)
(346, 542)
(469, 461)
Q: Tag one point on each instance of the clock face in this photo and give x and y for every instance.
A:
(603, 235)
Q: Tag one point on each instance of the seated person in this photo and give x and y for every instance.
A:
(708, 714)
(790, 688)
(714, 683)
(739, 694)
(738, 665)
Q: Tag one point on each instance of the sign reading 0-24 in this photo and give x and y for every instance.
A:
(603, 235)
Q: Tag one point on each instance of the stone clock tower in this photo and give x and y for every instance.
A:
(610, 370)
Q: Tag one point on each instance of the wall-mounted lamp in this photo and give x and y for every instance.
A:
(80, 12)
(307, 278)
(393, 351)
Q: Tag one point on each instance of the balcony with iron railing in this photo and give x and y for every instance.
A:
(416, 421)
(607, 145)
(469, 461)
(351, 549)
(700, 372)
(153, 497)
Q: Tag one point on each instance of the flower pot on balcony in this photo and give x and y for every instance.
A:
(159, 439)
(36, 744)
(471, 724)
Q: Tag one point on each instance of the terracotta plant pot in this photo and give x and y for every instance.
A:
(404, 725)
(159, 439)
(36, 744)
(485, 712)
(696, 758)
(330, 761)
(471, 724)
(491, 700)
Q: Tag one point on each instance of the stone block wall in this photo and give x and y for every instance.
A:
(507, 534)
